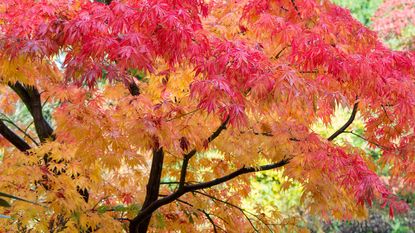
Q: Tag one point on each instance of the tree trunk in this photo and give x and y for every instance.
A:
(153, 187)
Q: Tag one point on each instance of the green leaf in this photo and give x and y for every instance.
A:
(191, 219)
(120, 208)
(102, 209)
(160, 223)
(4, 203)
(140, 75)
(134, 207)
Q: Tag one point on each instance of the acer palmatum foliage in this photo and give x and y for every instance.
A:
(147, 86)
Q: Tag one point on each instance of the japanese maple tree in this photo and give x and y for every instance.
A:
(146, 88)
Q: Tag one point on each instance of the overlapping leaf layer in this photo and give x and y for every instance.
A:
(269, 67)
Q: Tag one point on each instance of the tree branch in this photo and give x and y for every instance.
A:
(189, 155)
(241, 171)
(133, 88)
(296, 8)
(145, 212)
(8, 120)
(308, 71)
(13, 138)
(153, 188)
(219, 130)
(386, 113)
(106, 2)
(347, 124)
(31, 98)
(210, 220)
(279, 53)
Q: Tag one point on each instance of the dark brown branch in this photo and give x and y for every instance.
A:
(296, 8)
(170, 182)
(153, 188)
(386, 113)
(189, 155)
(177, 182)
(106, 2)
(308, 71)
(211, 221)
(19, 129)
(28, 126)
(279, 53)
(241, 171)
(146, 212)
(347, 124)
(31, 98)
(219, 130)
(269, 134)
(133, 88)
(131, 85)
(13, 138)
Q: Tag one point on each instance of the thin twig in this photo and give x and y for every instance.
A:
(243, 211)
(279, 53)
(296, 8)
(367, 140)
(177, 182)
(96, 204)
(206, 214)
(122, 219)
(27, 127)
(44, 102)
(269, 134)
(347, 124)
(211, 221)
(182, 115)
(386, 113)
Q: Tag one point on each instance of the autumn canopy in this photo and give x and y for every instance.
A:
(140, 92)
